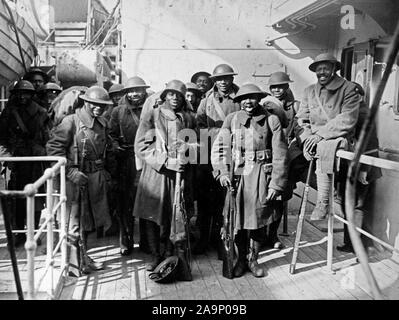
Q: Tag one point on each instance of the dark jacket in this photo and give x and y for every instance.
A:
(80, 133)
(155, 136)
(256, 141)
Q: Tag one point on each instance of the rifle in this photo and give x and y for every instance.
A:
(227, 233)
(180, 233)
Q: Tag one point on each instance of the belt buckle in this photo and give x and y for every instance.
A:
(261, 156)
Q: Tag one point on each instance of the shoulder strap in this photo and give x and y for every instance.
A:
(320, 104)
(218, 108)
(21, 124)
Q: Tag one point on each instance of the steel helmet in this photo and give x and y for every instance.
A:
(279, 78)
(193, 87)
(97, 95)
(198, 74)
(223, 70)
(135, 82)
(116, 88)
(50, 86)
(248, 89)
(36, 70)
(166, 271)
(325, 57)
(23, 85)
(175, 86)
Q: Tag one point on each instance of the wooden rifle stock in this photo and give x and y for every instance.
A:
(229, 223)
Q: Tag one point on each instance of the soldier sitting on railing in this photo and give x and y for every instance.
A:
(327, 119)
(23, 134)
(83, 139)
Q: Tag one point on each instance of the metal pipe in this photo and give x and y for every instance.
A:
(30, 245)
(330, 231)
(354, 168)
(64, 227)
(50, 237)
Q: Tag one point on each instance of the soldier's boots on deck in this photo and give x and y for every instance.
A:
(324, 181)
(153, 263)
(253, 265)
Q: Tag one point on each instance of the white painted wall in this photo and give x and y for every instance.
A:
(167, 39)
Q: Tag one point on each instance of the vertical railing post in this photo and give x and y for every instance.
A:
(330, 232)
(50, 235)
(30, 245)
(63, 234)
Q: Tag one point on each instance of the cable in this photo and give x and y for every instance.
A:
(354, 168)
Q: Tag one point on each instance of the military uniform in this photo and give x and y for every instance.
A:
(23, 133)
(255, 141)
(124, 123)
(156, 190)
(85, 142)
(211, 114)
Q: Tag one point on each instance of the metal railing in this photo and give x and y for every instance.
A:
(53, 207)
(367, 160)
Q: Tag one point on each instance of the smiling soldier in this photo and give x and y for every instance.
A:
(327, 120)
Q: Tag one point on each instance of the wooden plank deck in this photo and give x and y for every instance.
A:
(125, 278)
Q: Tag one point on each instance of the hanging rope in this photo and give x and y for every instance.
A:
(354, 168)
(16, 34)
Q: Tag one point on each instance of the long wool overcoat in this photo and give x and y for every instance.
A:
(255, 141)
(157, 133)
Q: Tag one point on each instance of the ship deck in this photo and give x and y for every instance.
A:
(125, 278)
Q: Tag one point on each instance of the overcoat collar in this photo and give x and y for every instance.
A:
(334, 85)
(243, 117)
(88, 120)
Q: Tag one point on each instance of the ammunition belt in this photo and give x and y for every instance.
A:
(92, 166)
(261, 157)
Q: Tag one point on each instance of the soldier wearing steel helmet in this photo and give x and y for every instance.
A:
(213, 110)
(204, 82)
(281, 103)
(23, 133)
(327, 120)
(48, 93)
(83, 138)
(156, 144)
(193, 95)
(116, 93)
(257, 144)
(124, 122)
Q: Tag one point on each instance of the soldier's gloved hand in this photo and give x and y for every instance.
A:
(225, 182)
(177, 165)
(272, 194)
(77, 177)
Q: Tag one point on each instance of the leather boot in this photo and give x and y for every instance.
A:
(324, 181)
(253, 265)
(87, 263)
(241, 265)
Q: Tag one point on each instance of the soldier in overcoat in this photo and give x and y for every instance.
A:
(156, 138)
(124, 123)
(255, 140)
(212, 112)
(327, 119)
(83, 139)
(281, 103)
(24, 133)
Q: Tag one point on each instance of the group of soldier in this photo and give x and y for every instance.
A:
(130, 150)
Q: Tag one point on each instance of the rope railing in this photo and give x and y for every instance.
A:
(55, 203)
